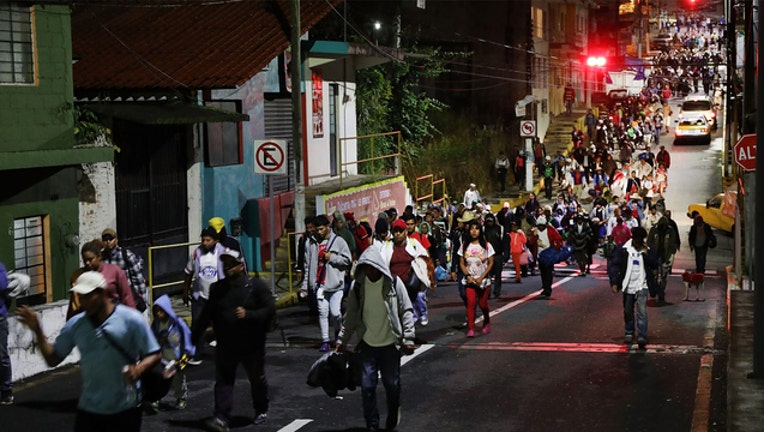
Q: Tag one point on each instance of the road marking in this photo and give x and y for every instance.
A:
(421, 350)
(295, 425)
(580, 347)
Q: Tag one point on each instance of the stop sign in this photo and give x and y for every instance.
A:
(745, 152)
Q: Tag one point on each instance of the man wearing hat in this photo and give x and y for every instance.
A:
(103, 334)
(471, 196)
(227, 241)
(113, 253)
(240, 309)
(203, 269)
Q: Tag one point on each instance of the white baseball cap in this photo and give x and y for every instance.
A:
(89, 281)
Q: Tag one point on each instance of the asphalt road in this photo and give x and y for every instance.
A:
(555, 364)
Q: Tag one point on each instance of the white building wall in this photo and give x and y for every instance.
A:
(102, 212)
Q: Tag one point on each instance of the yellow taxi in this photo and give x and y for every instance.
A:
(692, 127)
(712, 213)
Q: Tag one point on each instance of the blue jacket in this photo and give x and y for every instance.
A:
(177, 327)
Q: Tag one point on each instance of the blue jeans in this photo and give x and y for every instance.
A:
(5, 359)
(629, 301)
(420, 305)
(387, 361)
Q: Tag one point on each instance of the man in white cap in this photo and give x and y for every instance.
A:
(546, 237)
(105, 333)
(471, 196)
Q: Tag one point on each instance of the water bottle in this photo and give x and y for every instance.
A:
(131, 393)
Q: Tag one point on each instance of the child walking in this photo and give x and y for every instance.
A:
(174, 337)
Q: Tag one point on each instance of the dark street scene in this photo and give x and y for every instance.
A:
(380, 215)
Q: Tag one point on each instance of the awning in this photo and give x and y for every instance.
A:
(165, 114)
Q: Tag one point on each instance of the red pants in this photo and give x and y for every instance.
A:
(516, 262)
(479, 296)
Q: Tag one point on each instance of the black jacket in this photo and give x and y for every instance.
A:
(234, 334)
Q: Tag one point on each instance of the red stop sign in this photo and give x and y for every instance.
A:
(745, 152)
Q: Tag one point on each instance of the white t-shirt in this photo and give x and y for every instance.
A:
(476, 259)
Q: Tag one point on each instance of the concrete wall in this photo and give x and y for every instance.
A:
(35, 117)
(26, 359)
(99, 211)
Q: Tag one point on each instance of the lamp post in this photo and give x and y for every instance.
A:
(377, 28)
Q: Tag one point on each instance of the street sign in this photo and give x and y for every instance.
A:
(745, 152)
(270, 156)
(528, 128)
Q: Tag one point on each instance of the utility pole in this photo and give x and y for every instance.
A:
(295, 69)
(758, 294)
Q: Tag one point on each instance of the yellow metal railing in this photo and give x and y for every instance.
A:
(430, 192)
(150, 280)
(371, 157)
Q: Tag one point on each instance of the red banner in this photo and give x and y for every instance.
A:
(367, 201)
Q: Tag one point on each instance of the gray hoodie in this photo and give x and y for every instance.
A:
(399, 311)
(339, 262)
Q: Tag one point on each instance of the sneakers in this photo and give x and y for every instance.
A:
(471, 333)
(180, 405)
(424, 321)
(194, 361)
(260, 419)
(642, 343)
(324, 347)
(6, 399)
(215, 424)
(486, 329)
(214, 343)
(152, 408)
(628, 339)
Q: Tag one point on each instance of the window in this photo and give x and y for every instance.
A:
(29, 256)
(16, 45)
(224, 145)
(539, 23)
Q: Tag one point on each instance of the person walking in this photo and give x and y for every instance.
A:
(631, 272)
(327, 260)
(579, 236)
(471, 196)
(203, 269)
(569, 97)
(240, 309)
(379, 311)
(102, 332)
(494, 235)
(174, 338)
(307, 238)
(6, 385)
(519, 169)
(400, 254)
(701, 239)
(517, 247)
(226, 240)
(664, 241)
(476, 259)
(117, 286)
(502, 165)
(123, 257)
(546, 237)
(590, 121)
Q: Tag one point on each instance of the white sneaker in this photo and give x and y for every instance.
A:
(214, 343)
(424, 321)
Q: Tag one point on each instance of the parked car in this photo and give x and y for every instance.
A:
(700, 104)
(692, 127)
(712, 213)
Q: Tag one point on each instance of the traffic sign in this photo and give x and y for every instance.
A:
(270, 156)
(528, 128)
(745, 152)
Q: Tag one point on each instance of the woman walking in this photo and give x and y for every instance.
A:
(517, 248)
(476, 261)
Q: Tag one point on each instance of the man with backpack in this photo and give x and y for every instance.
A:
(113, 253)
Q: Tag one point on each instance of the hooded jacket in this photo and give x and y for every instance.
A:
(178, 333)
(400, 313)
(339, 262)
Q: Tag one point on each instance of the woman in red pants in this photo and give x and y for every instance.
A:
(476, 261)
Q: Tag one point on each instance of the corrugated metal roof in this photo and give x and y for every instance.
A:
(198, 46)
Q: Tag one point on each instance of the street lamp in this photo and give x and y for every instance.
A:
(377, 28)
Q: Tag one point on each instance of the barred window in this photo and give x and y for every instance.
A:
(29, 256)
(16, 45)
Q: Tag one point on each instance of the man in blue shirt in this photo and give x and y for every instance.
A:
(110, 398)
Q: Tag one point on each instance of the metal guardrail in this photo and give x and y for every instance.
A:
(431, 192)
(371, 157)
(150, 280)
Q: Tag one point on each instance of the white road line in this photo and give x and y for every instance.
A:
(295, 425)
(421, 350)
